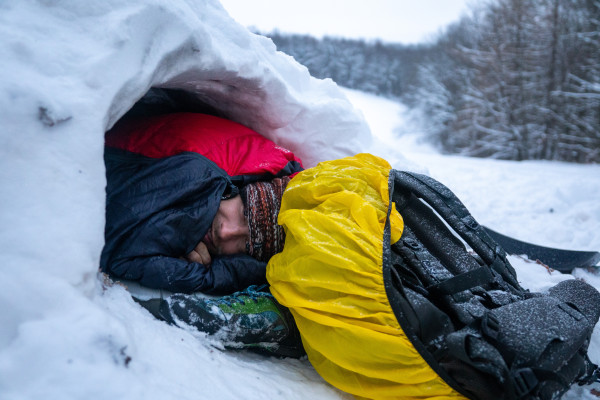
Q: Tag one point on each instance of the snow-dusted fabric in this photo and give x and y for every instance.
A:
(157, 211)
(330, 276)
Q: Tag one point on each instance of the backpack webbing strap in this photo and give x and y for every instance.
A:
(404, 312)
(467, 280)
(526, 380)
(456, 216)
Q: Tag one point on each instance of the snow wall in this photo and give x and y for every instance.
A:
(70, 70)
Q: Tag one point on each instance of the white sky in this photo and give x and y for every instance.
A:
(403, 21)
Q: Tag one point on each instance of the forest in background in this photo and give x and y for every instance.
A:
(515, 79)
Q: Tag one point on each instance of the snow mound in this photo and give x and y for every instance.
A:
(70, 70)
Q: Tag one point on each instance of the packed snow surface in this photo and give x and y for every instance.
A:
(71, 69)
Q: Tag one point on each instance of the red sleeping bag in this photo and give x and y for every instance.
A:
(235, 148)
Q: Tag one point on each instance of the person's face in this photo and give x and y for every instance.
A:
(229, 231)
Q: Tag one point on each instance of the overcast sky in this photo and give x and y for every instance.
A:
(403, 21)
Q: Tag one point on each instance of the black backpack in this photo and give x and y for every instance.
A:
(457, 298)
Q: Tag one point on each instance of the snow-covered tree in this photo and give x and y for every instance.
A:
(526, 81)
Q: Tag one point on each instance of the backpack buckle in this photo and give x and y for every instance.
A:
(490, 325)
(524, 381)
(412, 244)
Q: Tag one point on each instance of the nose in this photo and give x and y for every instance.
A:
(230, 231)
(232, 238)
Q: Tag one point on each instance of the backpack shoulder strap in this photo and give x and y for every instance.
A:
(445, 226)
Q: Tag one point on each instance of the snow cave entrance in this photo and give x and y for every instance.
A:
(164, 101)
(160, 101)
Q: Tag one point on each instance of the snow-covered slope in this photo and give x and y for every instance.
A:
(549, 203)
(70, 69)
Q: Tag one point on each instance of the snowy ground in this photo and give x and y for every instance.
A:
(65, 335)
(549, 203)
(147, 359)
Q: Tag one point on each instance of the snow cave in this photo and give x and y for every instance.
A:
(71, 70)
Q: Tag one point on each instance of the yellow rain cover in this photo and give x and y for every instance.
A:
(330, 276)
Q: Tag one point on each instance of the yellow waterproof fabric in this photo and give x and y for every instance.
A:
(330, 276)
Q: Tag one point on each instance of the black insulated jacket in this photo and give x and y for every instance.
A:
(157, 210)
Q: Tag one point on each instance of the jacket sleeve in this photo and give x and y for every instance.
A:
(225, 275)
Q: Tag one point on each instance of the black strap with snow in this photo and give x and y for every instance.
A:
(458, 299)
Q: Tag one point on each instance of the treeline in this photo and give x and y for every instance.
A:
(387, 70)
(517, 79)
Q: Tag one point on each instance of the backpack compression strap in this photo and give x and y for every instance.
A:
(419, 195)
